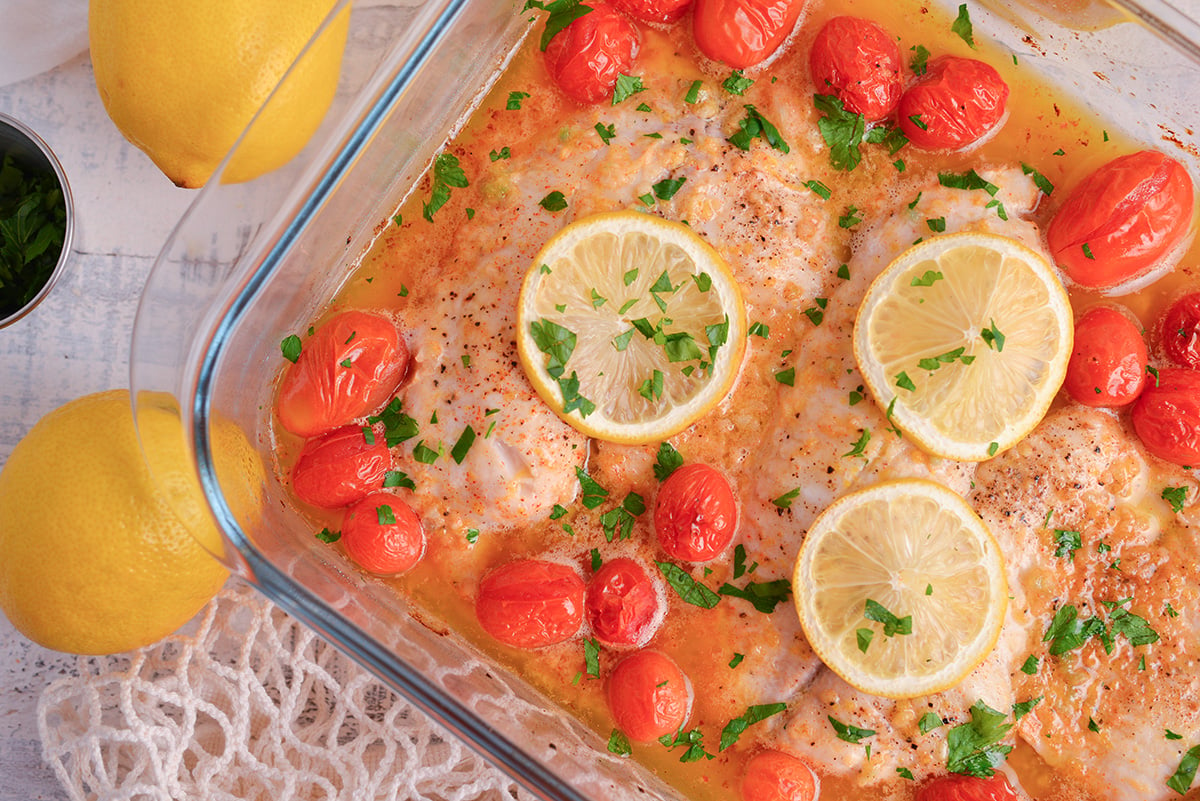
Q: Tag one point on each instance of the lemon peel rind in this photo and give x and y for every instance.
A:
(904, 686)
(926, 434)
(726, 366)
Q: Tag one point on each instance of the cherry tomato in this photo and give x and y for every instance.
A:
(622, 604)
(348, 368)
(968, 788)
(383, 534)
(743, 33)
(695, 516)
(1123, 220)
(586, 57)
(649, 696)
(776, 776)
(1167, 416)
(653, 12)
(1181, 331)
(1108, 363)
(341, 467)
(530, 603)
(954, 104)
(858, 61)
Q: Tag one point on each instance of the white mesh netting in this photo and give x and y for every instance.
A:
(245, 703)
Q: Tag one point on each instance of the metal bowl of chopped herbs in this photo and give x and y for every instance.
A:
(36, 220)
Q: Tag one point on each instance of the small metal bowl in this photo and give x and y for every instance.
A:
(33, 155)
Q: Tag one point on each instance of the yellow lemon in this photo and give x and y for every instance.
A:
(900, 588)
(630, 326)
(964, 339)
(96, 555)
(182, 80)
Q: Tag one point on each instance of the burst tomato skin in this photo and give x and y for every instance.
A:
(340, 467)
(530, 603)
(648, 696)
(958, 101)
(586, 57)
(1132, 214)
(622, 604)
(776, 776)
(695, 514)
(1167, 416)
(1108, 361)
(1180, 331)
(858, 61)
(742, 33)
(319, 392)
(968, 788)
(383, 548)
(653, 12)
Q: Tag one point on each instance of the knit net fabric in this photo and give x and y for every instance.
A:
(245, 703)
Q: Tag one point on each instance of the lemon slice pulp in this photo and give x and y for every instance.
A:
(630, 327)
(965, 340)
(915, 550)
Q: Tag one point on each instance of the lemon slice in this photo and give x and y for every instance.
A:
(965, 340)
(909, 559)
(630, 326)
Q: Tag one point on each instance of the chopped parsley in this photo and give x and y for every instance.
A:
(962, 26)
(555, 201)
(447, 174)
(848, 733)
(764, 596)
(755, 126)
(1039, 180)
(787, 377)
(606, 132)
(928, 722)
(1023, 708)
(1176, 496)
(627, 86)
(33, 224)
(949, 357)
(737, 83)
(385, 515)
(592, 494)
(397, 426)
(502, 153)
(920, 59)
(693, 92)
(974, 748)
(668, 461)
(993, 337)
(328, 535)
(892, 625)
(969, 180)
(618, 521)
(850, 218)
(693, 739)
(619, 744)
(562, 14)
(1067, 542)
(666, 188)
(463, 445)
(754, 714)
(690, 590)
(904, 382)
(397, 478)
(784, 501)
(1181, 779)
(842, 130)
(823, 191)
(928, 279)
(864, 637)
(290, 347)
(859, 448)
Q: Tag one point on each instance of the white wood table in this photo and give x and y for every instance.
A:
(77, 341)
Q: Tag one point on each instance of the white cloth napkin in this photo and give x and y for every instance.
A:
(37, 35)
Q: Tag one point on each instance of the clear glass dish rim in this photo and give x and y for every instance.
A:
(1158, 16)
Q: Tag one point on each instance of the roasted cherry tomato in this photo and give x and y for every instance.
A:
(954, 104)
(743, 33)
(654, 12)
(1108, 363)
(776, 776)
(695, 516)
(968, 788)
(383, 534)
(530, 603)
(622, 604)
(341, 467)
(586, 57)
(858, 61)
(1122, 221)
(1180, 331)
(649, 696)
(348, 368)
(1167, 416)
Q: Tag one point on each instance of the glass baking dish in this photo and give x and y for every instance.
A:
(250, 263)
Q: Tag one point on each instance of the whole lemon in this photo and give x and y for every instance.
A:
(96, 555)
(182, 80)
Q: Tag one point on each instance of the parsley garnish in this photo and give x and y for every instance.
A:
(1182, 778)
(928, 722)
(864, 637)
(555, 341)
(290, 347)
(446, 174)
(920, 60)
(694, 740)
(385, 515)
(618, 744)
(962, 26)
(397, 426)
(464, 443)
(737, 660)
(502, 153)
(1023, 708)
(1030, 666)
(397, 478)
(562, 14)
(690, 590)
(904, 382)
(737, 83)
(974, 748)
(693, 92)
(850, 218)
(823, 191)
(424, 454)
(787, 376)
(758, 712)
(842, 131)
(1176, 496)
(784, 501)
(763, 595)
(1067, 542)
(892, 625)
(667, 187)
(1039, 180)
(668, 461)
(33, 224)
(555, 201)
(618, 521)
(859, 448)
(928, 279)
(992, 337)
(627, 86)
(847, 733)
(967, 180)
(592, 493)
(949, 357)
(755, 126)
(328, 535)
(606, 132)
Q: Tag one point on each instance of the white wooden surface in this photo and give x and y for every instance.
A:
(75, 342)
